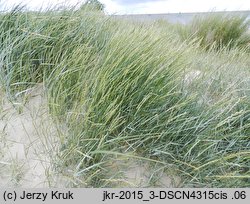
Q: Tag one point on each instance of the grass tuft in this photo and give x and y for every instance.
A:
(123, 89)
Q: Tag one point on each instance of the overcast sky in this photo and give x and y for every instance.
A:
(145, 6)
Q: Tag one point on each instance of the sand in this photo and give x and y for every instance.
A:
(25, 151)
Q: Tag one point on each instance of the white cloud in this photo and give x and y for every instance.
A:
(112, 7)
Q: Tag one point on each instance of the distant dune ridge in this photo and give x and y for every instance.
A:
(177, 17)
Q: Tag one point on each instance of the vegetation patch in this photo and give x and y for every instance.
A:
(123, 90)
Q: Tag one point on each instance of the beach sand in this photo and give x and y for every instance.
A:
(25, 150)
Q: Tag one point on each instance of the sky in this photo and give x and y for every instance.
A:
(143, 6)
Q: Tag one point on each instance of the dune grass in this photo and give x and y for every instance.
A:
(218, 31)
(123, 89)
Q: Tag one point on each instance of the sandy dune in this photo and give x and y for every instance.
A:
(28, 144)
(25, 152)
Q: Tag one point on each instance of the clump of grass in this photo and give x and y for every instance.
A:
(120, 89)
(218, 31)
